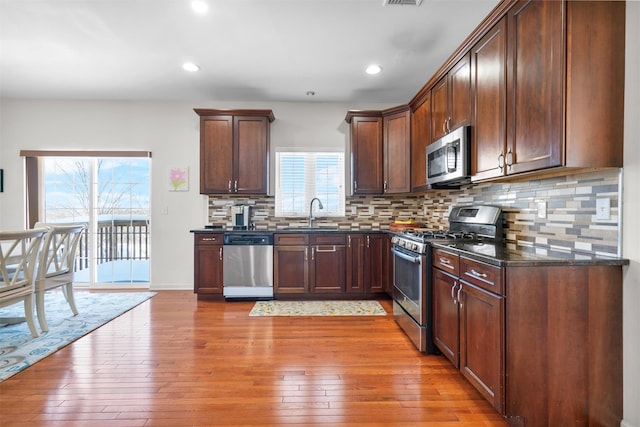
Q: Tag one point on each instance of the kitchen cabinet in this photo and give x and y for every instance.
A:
(396, 126)
(208, 256)
(367, 169)
(548, 89)
(468, 321)
(451, 99)
(420, 138)
(234, 151)
(309, 263)
(368, 269)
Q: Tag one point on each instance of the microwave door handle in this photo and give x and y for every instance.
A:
(450, 152)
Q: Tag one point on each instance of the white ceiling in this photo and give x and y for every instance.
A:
(248, 50)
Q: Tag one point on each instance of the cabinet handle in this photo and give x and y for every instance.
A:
(368, 241)
(444, 126)
(313, 254)
(386, 186)
(235, 186)
(509, 159)
(209, 239)
(229, 186)
(446, 263)
(319, 249)
(221, 254)
(501, 161)
(453, 290)
(448, 124)
(459, 290)
(306, 254)
(349, 241)
(355, 186)
(477, 274)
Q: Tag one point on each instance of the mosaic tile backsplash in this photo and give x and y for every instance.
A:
(570, 201)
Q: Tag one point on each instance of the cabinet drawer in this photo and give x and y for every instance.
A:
(328, 239)
(203, 239)
(446, 261)
(291, 239)
(483, 275)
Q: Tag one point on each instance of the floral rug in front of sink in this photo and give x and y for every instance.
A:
(318, 308)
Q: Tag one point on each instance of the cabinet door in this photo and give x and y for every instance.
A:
(208, 269)
(420, 138)
(374, 272)
(251, 155)
(355, 263)
(445, 315)
(291, 269)
(482, 342)
(328, 269)
(439, 110)
(535, 86)
(397, 153)
(488, 68)
(216, 154)
(459, 103)
(366, 155)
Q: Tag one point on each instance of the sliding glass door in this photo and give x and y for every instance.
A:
(112, 195)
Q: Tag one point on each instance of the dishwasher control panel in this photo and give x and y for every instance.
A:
(251, 239)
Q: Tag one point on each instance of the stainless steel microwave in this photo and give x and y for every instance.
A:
(448, 159)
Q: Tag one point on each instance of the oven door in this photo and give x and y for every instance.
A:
(409, 280)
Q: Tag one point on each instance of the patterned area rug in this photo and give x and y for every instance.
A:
(18, 350)
(317, 308)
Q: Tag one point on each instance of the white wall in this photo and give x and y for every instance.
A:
(170, 130)
(631, 225)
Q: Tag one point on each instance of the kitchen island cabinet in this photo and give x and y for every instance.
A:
(234, 151)
(207, 269)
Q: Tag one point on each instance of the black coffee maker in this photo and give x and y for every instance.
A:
(241, 216)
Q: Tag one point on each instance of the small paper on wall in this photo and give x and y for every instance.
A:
(179, 179)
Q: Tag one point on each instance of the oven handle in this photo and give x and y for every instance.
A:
(413, 259)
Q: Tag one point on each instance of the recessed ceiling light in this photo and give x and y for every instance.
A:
(199, 6)
(190, 66)
(373, 69)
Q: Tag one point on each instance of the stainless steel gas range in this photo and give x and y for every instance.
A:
(412, 294)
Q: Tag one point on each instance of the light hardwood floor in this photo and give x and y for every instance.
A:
(176, 361)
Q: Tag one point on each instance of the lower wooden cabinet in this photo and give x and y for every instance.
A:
(368, 263)
(468, 321)
(208, 256)
(309, 264)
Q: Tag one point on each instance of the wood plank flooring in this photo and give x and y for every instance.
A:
(177, 361)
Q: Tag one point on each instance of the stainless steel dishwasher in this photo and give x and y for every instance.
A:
(248, 266)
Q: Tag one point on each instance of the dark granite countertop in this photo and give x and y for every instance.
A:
(289, 230)
(500, 255)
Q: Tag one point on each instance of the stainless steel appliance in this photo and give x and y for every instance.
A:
(448, 159)
(241, 216)
(412, 293)
(247, 266)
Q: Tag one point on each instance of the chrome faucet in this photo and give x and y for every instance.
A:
(311, 218)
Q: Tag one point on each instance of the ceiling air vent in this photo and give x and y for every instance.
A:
(401, 2)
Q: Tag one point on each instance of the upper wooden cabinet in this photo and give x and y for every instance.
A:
(396, 127)
(547, 85)
(451, 99)
(420, 138)
(366, 152)
(234, 151)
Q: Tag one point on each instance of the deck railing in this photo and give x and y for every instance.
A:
(116, 240)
